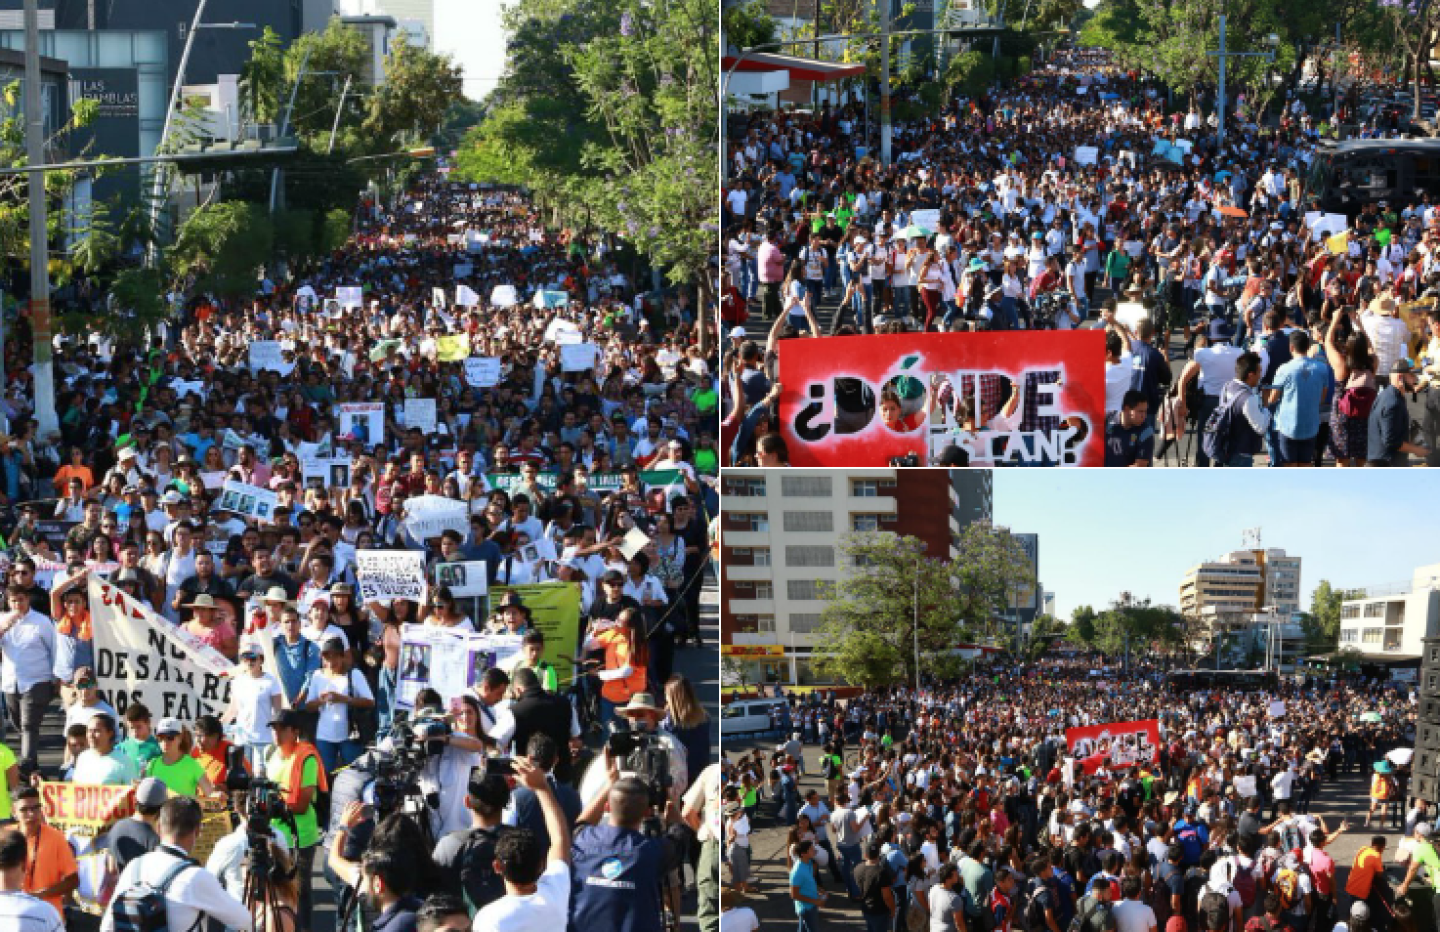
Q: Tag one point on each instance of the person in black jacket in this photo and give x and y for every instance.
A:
(539, 712)
(1390, 421)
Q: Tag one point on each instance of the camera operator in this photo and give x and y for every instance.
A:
(466, 857)
(227, 858)
(190, 892)
(618, 866)
(537, 892)
(449, 756)
(643, 716)
(294, 766)
(524, 810)
(384, 879)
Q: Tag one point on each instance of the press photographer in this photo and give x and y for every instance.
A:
(294, 767)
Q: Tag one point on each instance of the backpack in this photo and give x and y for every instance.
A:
(1356, 402)
(1244, 882)
(1291, 836)
(479, 884)
(1215, 910)
(1218, 441)
(1287, 888)
(1195, 880)
(832, 770)
(1160, 893)
(142, 908)
(364, 723)
(1034, 915)
(1082, 918)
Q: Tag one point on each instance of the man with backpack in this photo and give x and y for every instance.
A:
(1235, 432)
(466, 857)
(1169, 888)
(1042, 913)
(1093, 912)
(1221, 909)
(1322, 875)
(1294, 889)
(167, 888)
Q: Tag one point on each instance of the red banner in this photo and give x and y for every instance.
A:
(1036, 397)
(1117, 745)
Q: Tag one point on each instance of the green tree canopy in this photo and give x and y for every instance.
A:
(1322, 623)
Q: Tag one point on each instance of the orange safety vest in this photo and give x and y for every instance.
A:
(301, 754)
(617, 655)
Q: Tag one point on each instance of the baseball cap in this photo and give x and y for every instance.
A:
(169, 726)
(289, 718)
(151, 793)
(737, 332)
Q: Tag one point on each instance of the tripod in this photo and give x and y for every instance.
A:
(259, 894)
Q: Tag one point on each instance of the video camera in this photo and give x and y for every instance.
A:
(645, 755)
(264, 804)
(397, 770)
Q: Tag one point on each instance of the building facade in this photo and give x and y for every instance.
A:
(1392, 621)
(781, 531)
(1242, 581)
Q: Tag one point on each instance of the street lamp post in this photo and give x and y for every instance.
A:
(1224, 55)
(162, 174)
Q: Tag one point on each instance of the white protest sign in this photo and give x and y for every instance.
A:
(465, 296)
(1277, 708)
(448, 661)
(482, 371)
(1328, 225)
(265, 354)
(929, 219)
(1082, 89)
(634, 541)
(562, 332)
(577, 357)
(420, 412)
(350, 296)
(503, 296)
(141, 657)
(183, 388)
(466, 580)
(249, 500)
(437, 297)
(426, 516)
(1086, 155)
(328, 473)
(1244, 787)
(386, 575)
(365, 421)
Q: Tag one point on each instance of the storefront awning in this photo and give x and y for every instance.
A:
(800, 69)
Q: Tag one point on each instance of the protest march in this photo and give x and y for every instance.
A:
(398, 554)
(1247, 309)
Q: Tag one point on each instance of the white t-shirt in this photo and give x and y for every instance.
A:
(1133, 916)
(545, 910)
(739, 920)
(335, 717)
(253, 708)
(23, 911)
(1117, 382)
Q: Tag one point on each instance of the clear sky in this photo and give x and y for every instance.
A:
(470, 31)
(1107, 531)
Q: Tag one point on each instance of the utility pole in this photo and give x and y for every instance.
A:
(39, 247)
(1273, 40)
(285, 125)
(884, 82)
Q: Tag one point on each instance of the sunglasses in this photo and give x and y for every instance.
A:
(85, 684)
(167, 737)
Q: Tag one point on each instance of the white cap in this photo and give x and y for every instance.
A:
(737, 332)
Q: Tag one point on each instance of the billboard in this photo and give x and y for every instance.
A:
(1038, 397)
(116, 128)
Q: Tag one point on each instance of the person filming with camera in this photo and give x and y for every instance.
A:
(294, 766)
(538, 883)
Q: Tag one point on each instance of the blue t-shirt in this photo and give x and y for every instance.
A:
(802, 876)
(1302, 385)
(616, 880)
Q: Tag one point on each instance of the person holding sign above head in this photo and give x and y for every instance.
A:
(182, 774)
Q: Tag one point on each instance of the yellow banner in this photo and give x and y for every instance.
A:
(1339, 244)
(752, 650)
(83, 805)
(453, 348)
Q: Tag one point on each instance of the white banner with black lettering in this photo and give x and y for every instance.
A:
(386, 575)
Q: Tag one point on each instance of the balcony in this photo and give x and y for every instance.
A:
(878, 505)
(751, 607)
(748, 573)
(747, 539)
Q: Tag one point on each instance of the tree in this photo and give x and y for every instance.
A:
(340, 51)
(748, 24)
(1322, 623)
(418, 90)
(262, 79)
(223, 246)
(1044, 632)
(1137, 623)
(1082, 625)
(991, 567)
(868, 629)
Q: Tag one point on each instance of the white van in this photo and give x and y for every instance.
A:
(748, 716)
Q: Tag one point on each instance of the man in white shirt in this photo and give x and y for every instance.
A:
(534, 899)
(191, 892)
(18, 909)
(1131, 914)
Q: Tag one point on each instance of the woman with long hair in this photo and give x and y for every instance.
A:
(687, 720)
(627, 656)
(1357, 389)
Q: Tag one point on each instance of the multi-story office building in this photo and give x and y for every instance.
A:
(1242, 581)
(781, 531)
(1390, 621)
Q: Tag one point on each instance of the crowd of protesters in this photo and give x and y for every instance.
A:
(557, 468)
(961, 807)
(1081, 195)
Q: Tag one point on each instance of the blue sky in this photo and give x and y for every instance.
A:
(470, 31)
(1105, 531)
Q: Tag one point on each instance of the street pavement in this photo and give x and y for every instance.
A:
(700, 665)
(769, 882)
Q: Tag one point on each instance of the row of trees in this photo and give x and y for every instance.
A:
(607, 112)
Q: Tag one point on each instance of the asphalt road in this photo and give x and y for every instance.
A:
(701, 666)
(769, 882)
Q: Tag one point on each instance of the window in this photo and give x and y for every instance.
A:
(1349, 635)
(1374, 609)
(741, 521)
(803, 589)
(810, 556)
(745, 487)
(1349, 610)
(809, 521)
(761, 556)
(804, 623)
(1372, 635)
(864, 522)
(810, 486)
(865, 488)
(764, 590)
(765, 624)
(744, 624)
